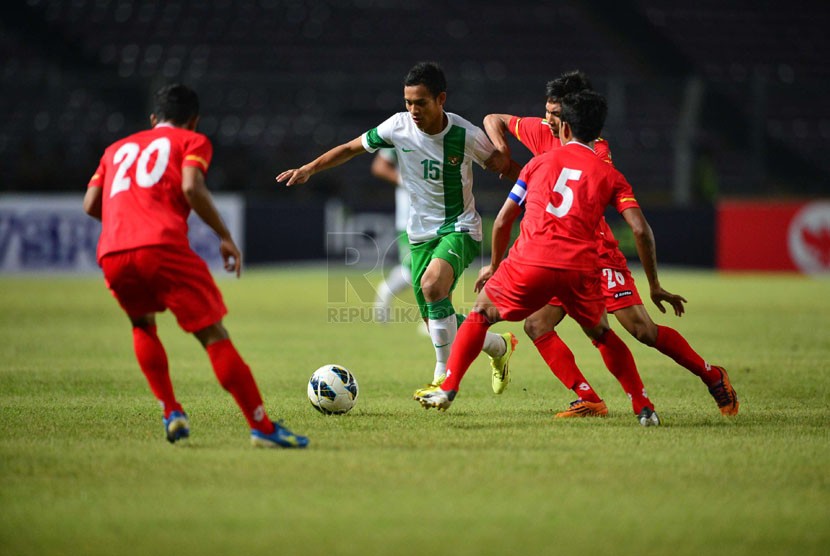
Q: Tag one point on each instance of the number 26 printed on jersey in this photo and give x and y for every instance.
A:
(145, 176)
(615, 278)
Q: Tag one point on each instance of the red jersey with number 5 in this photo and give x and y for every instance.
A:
(565, 194)
(535, 134)
(141, 176)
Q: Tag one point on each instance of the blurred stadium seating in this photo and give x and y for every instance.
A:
(281, 81)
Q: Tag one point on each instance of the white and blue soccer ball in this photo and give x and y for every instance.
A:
(332, 389)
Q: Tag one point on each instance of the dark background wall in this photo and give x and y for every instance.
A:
(742, 85)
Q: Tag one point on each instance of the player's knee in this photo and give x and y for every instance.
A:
(597, 332)
(433, 289)
(211, 334)
(644, 332)
(535, 327)
(143, 321)
(488, 313)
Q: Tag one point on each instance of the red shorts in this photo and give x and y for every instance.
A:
(618, 289)
(158, 277)
(519, 290)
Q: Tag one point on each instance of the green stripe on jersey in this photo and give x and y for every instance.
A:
(375, 141)
(453, 188)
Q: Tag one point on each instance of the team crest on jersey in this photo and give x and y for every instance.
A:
(454, 160)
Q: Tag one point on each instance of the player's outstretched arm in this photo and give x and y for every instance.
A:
(502, 230)
(512, 173)
(502, 165)
(329, 159)
(495, 126)
(676, 301)
(201, 201)
(647, 252)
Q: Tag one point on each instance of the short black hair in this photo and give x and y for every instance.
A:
(585, 112)
(428, 74)
(567, 83)
(175, 103)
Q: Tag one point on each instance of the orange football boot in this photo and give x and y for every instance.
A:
(725, 395)
(581, 408)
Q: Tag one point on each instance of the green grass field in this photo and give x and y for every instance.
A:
(84, 468)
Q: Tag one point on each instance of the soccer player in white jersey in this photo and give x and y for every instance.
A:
(435, 152)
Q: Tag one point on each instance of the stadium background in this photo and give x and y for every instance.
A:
(714, 108)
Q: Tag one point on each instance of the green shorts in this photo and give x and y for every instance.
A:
(457, 248)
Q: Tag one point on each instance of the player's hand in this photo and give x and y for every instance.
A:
(513, 173)
(658, 295)
(499, 162)
(231, 255)
(294, 176)
(484, 274)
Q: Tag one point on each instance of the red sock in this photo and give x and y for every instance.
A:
(466, 347)
(560, 359)
(620, 363)
(153, 362)
(235, 376)
(671, 343)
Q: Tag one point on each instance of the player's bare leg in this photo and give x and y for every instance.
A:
(466, 348)
(619, 361)
(543, 321)
(638, 323)
(442, 322)
(541, 328)
(235, 376)
(436, 283)
(668, 341)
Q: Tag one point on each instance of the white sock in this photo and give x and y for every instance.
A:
(494, 345)
(384, 295)
(398, 280)
(442, 332)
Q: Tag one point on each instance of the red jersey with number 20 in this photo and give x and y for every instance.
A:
(535, 134)
(565, 192)
(141, 176)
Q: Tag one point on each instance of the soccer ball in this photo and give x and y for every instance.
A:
(332, 390)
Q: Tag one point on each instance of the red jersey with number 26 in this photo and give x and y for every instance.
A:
(141, 176)
(535, 134)
(565, 192)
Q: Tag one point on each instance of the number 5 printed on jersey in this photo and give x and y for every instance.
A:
(127, 154)
(567, 193)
